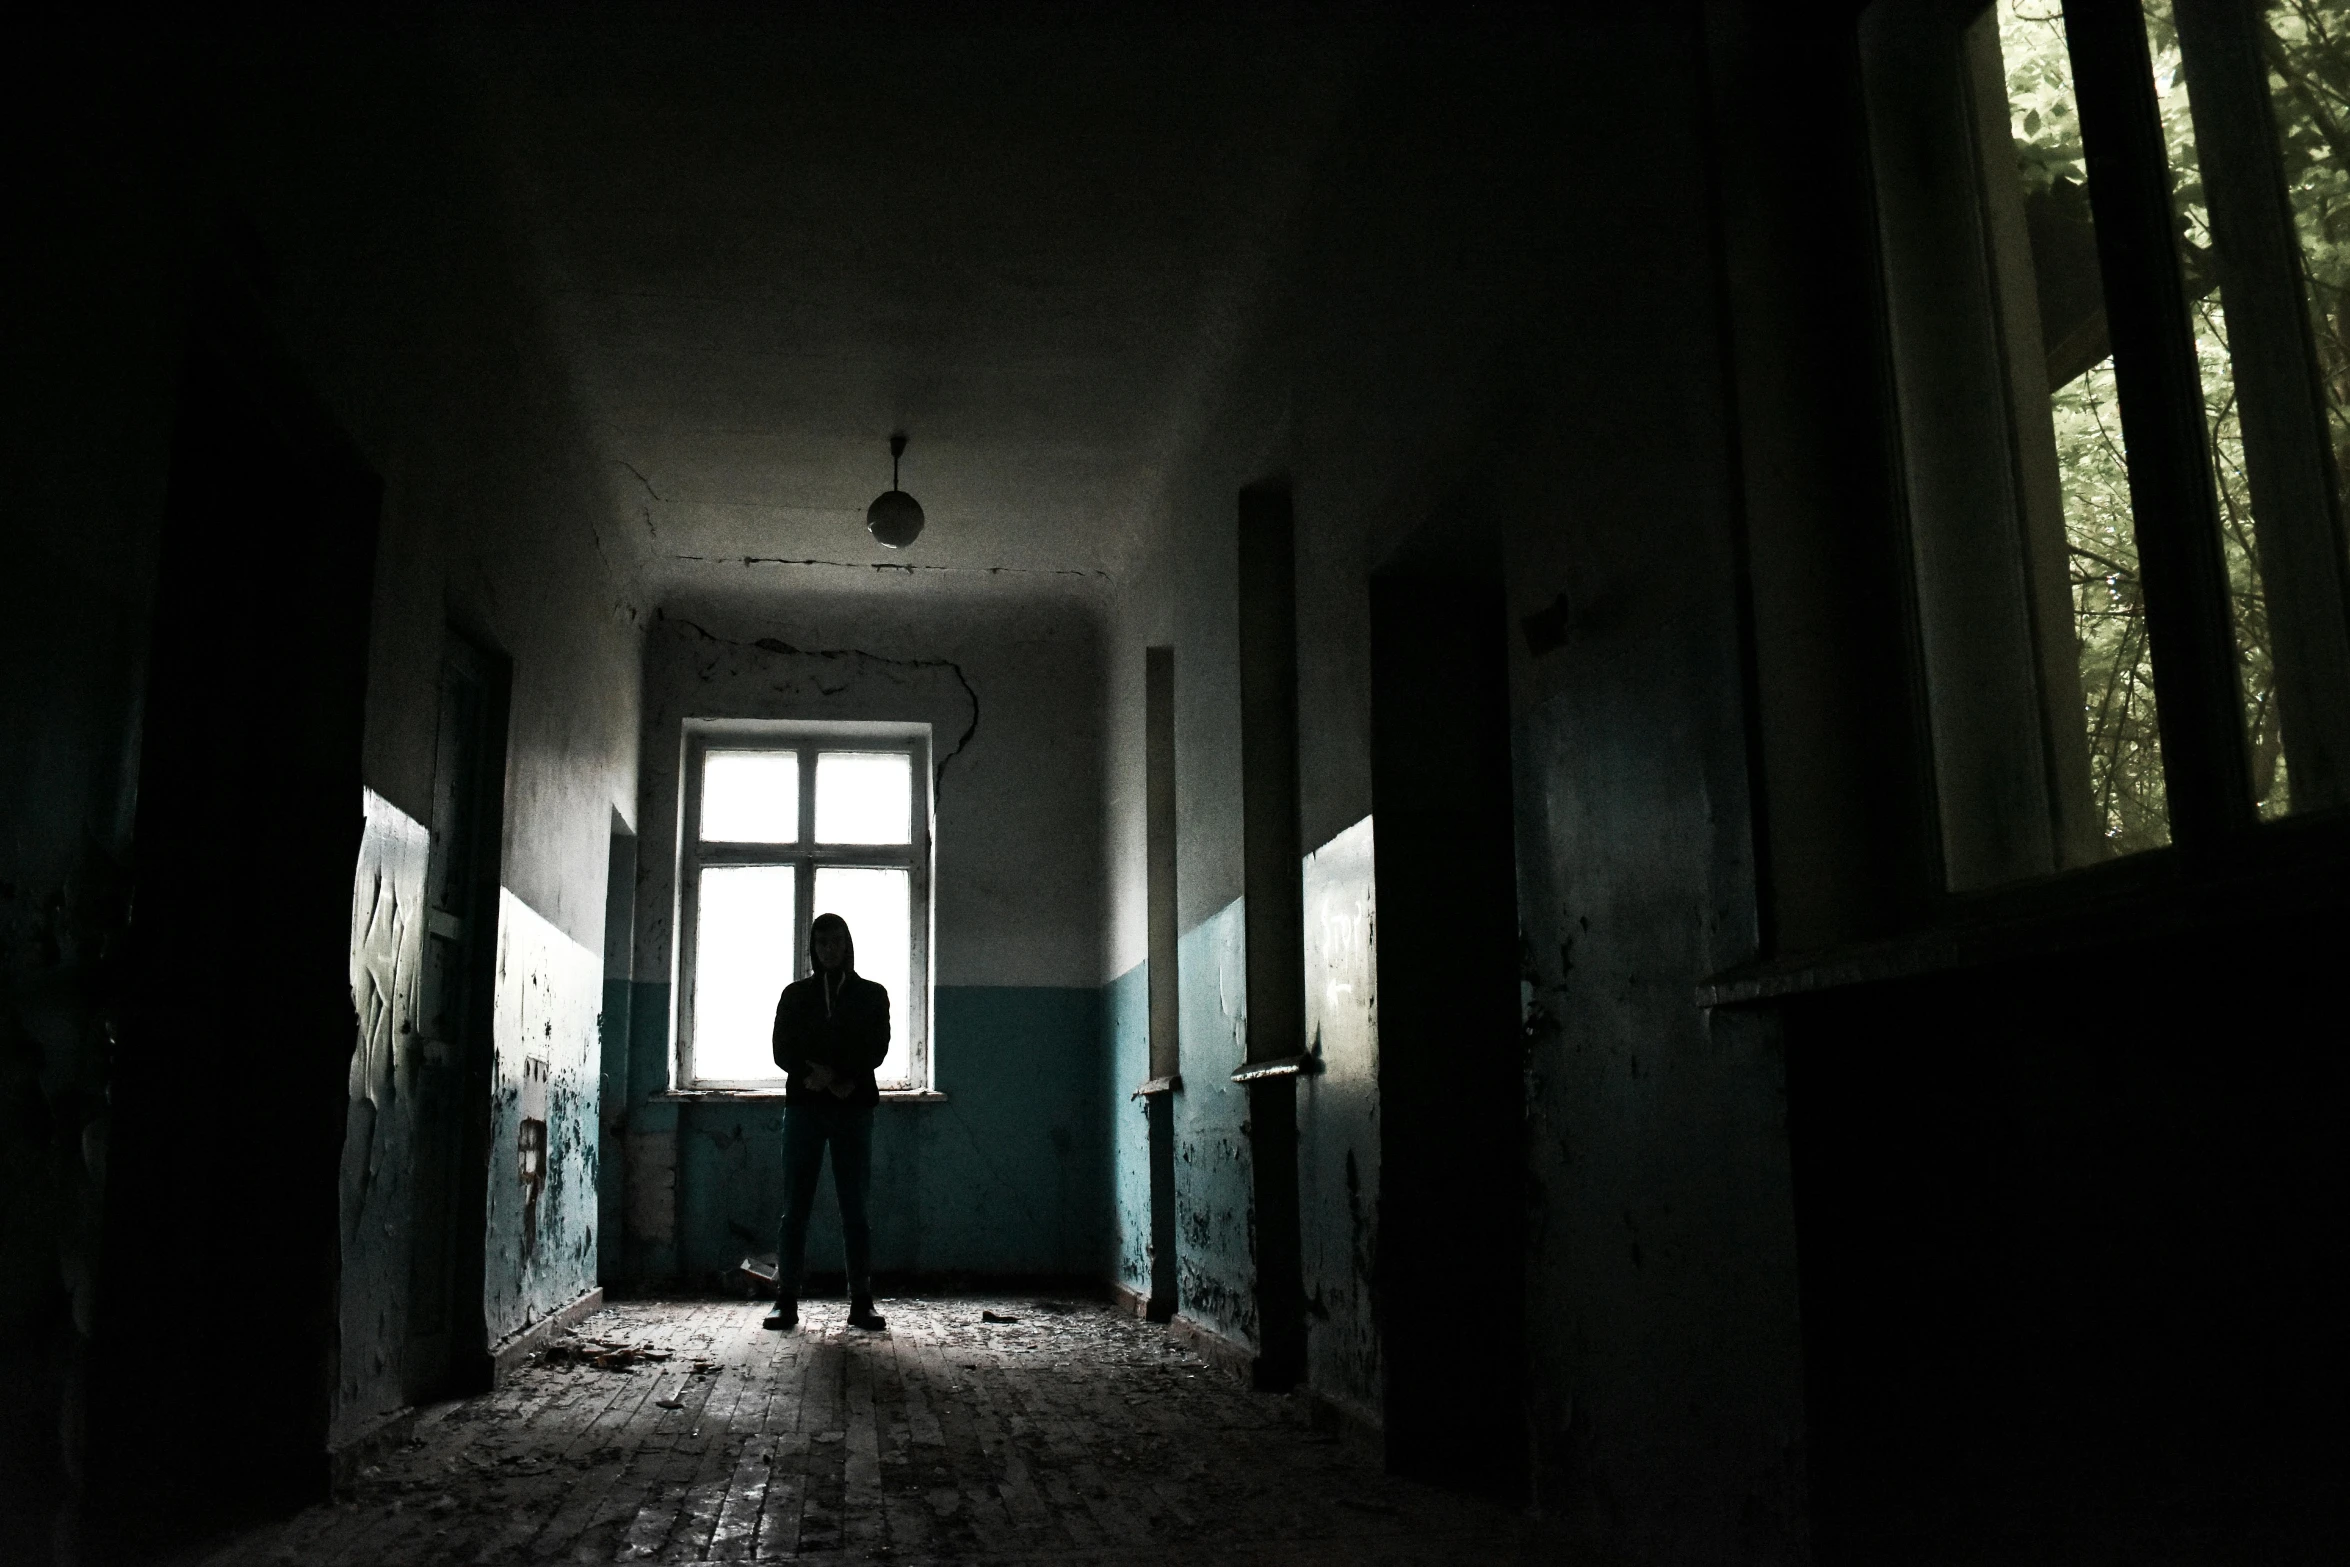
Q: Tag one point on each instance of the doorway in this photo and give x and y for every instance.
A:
(613, 1032)
(450, 1066)
(234, 1028)
(1448, 1278)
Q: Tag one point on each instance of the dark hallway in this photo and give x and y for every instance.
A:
(991, 1429)
(1589, 766)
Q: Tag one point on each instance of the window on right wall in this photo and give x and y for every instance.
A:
(2116, 246)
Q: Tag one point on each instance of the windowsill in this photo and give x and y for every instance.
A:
(2286, 872)
(919, 1096)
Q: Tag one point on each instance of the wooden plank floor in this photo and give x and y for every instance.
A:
(1072, 1435)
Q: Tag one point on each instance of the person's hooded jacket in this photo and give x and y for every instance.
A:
(837, 1019)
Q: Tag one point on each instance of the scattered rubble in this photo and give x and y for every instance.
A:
(605, 1355)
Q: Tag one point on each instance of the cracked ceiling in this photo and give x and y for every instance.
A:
(1032, 247)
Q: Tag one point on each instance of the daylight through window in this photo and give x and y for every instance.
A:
(784, 823)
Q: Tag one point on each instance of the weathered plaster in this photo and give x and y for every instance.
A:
(1338, 1123)
(1007, 1174)
(1214, 1215)
(549, 990)
(1011, 1173)
(1126, 1019)
(387, 947)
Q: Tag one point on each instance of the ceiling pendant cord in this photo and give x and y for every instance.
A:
(894, 519)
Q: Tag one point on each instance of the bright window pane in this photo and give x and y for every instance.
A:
(878, 905)
(864, 797)
(2223, 430)
(2308, 47)
(2118, 717)
(751, 797)
(742, 960)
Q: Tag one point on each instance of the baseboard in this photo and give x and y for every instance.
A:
(518, 1346)
(1128, 1298)
(1212, 1346)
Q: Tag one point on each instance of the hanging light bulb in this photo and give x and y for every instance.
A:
(895, 518)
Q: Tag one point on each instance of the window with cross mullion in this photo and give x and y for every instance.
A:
(784, 822)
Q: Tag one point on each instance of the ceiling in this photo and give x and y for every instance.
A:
(769, 241)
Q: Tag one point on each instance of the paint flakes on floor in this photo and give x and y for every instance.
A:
(1071, 1433)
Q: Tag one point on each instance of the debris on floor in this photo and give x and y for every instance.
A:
(1087, 1436)
(602, 1354)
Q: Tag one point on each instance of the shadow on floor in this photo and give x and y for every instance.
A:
(973, 1430)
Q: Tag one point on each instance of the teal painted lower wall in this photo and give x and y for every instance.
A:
(1126, 1019)
(612, 1030)
(1009, 1174)
(1215, 1202)
(1215, 1249)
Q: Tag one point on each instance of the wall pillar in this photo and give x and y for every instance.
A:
(1273, 894)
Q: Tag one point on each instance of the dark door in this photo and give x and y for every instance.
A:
(613, 1031)
(218, 1267)
(1451, 1096)
(450, 1059)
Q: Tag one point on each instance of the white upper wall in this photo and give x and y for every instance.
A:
(1010, 684)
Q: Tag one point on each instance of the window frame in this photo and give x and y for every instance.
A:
(1890, 913)
(2213, 818)
(807, 738)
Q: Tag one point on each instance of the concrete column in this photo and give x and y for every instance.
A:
(1165, 1015)
(1274, 893)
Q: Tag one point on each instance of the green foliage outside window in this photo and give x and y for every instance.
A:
(2109, 612)
(2309, 50)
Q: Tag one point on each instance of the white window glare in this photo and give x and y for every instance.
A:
(751, 797)
(878, 904)
(864, 797)
(784, 821)
(744, 939)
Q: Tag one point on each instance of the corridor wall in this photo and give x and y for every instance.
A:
(1006, 1171)
(1484, 345)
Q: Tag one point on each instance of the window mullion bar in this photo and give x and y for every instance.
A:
(893, 855)
(806, 880)
(2182, 572)
(2281, 402)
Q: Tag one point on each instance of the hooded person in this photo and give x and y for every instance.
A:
(831, 1031)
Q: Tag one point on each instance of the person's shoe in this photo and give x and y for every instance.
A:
(862, 1315)
(785, 1316)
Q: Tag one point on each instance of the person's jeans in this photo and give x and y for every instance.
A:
(806, 1129)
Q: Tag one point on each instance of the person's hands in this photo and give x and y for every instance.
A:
(817, 1075)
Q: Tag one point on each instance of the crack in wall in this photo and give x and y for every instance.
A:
(777, 645)
(907, 568)
(644, 512)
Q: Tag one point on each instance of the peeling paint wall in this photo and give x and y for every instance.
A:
(333, 185)
(1338, 1123)
(541, 1232)
(387, 951)
(1012, 1173)
(1126, 1020)
(1424, 367)
(542, 1245)
(1215, 1256)
(1004, 1176)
